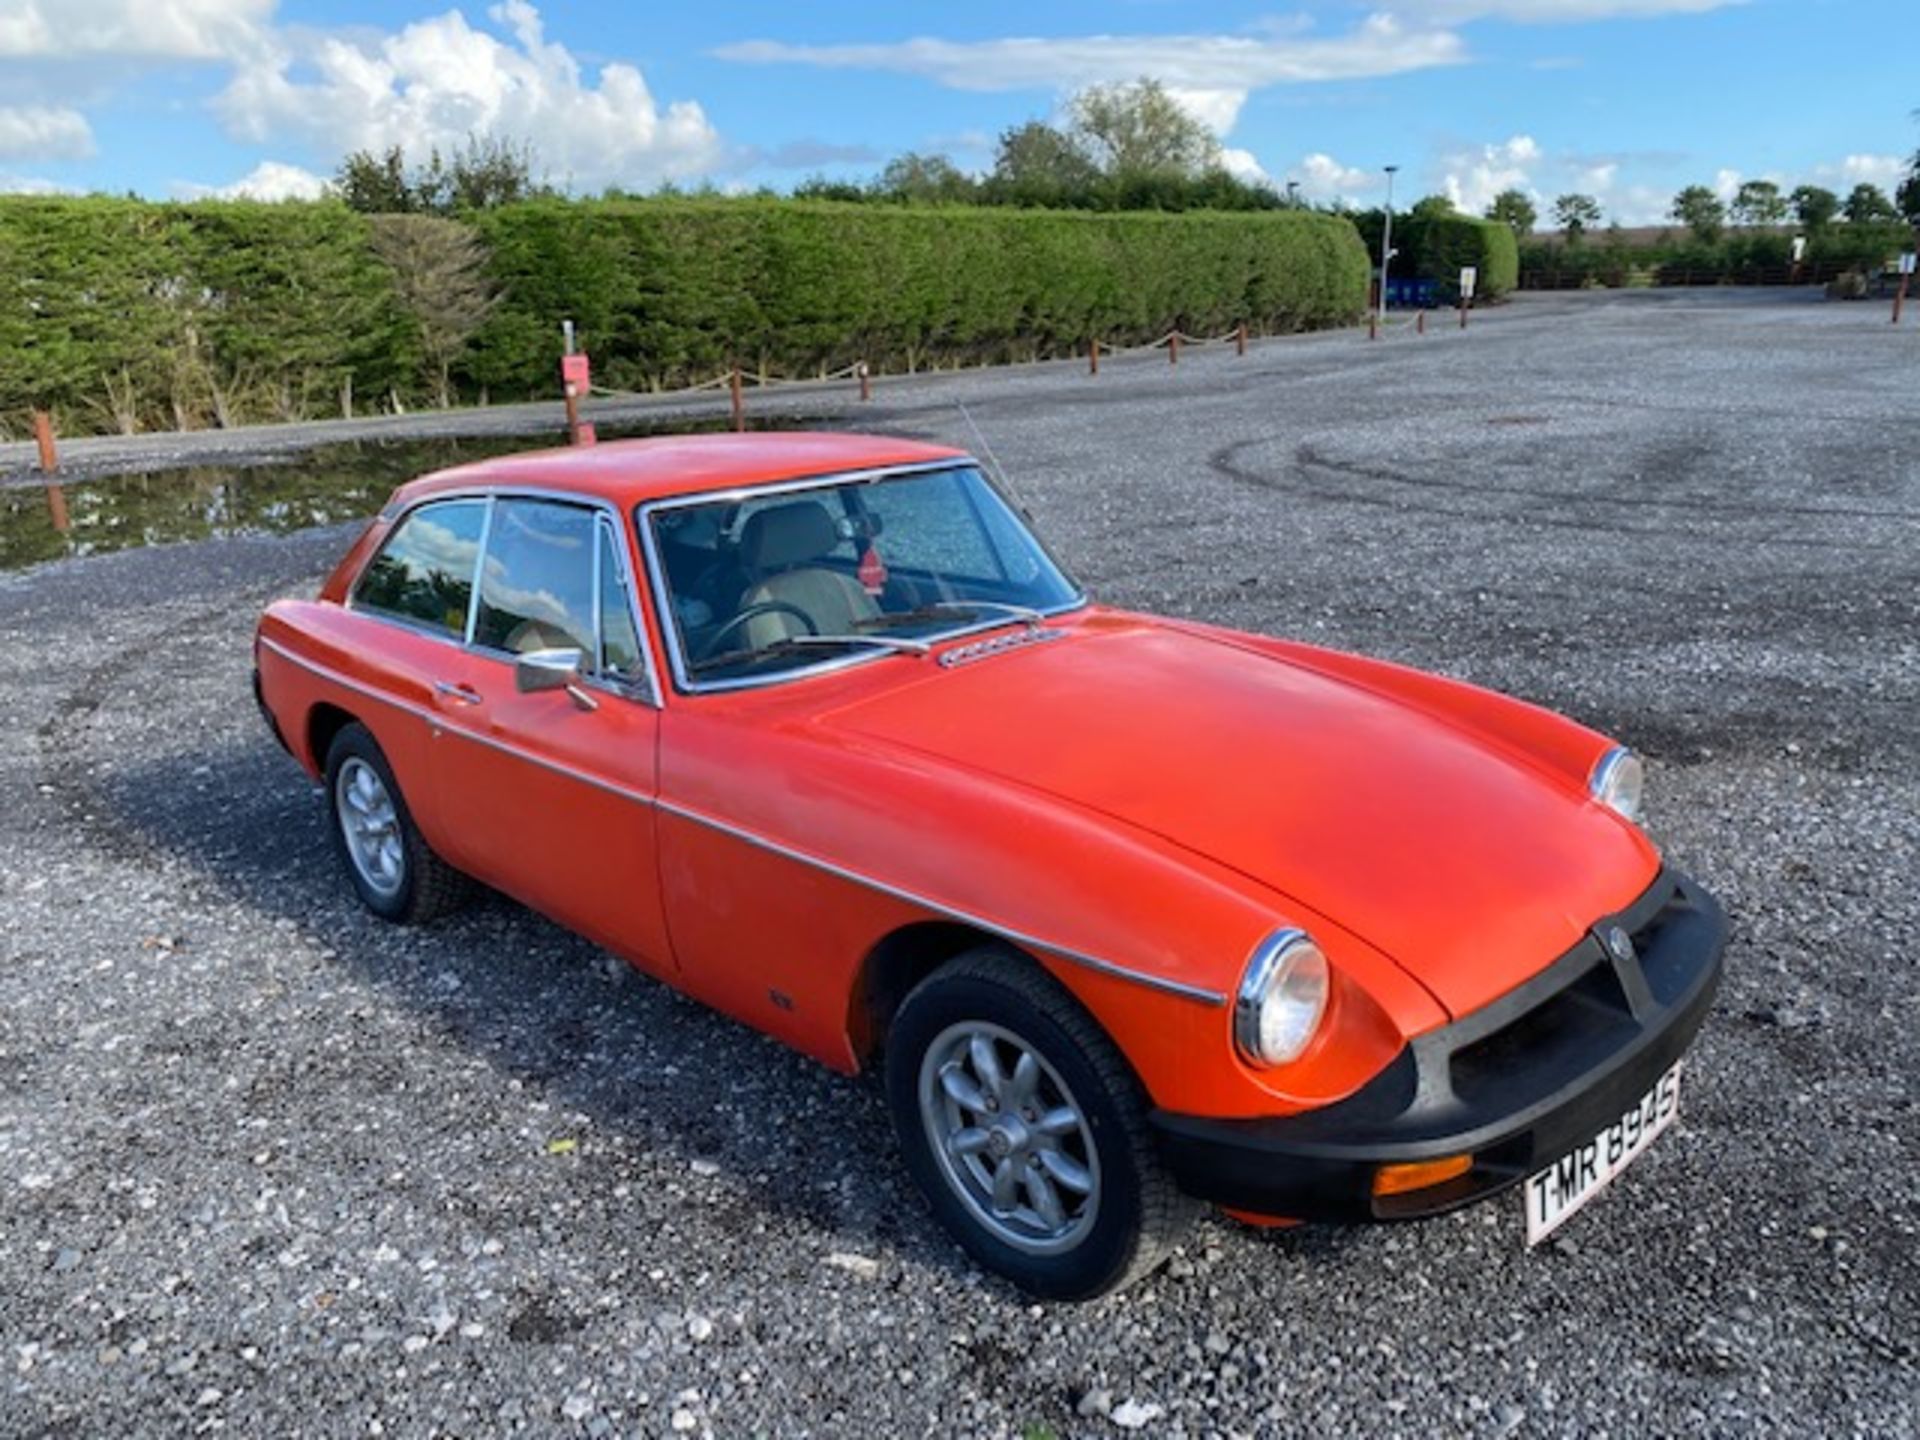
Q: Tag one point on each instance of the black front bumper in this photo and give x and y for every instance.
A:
(1515, 1085)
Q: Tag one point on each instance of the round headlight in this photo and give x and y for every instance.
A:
(1282, 999)
(1618, 781)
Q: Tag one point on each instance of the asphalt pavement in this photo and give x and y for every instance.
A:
(268, 1166)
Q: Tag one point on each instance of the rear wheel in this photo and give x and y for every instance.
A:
(1026, 1130)
(394, 871)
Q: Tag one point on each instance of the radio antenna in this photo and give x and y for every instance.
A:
(993, 460)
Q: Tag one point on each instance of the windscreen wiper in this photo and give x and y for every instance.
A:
(897, 644)
(1033, 619)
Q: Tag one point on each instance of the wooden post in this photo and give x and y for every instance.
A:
(1173, 348)
(1420, 323)
(1463, 312)
(739, 402)
(866, 382)
(573, 413)
(43, 433)
(1373, 324)
(1240, 338)
(1093, 357)
(1899, 299)
(57, 508)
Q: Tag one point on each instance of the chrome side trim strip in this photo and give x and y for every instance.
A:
(440, 722)
(1032, 942)
(774, 847)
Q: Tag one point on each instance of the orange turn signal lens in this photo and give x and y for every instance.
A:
(1419, 1174)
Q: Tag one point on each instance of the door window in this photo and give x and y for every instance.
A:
(536, 587)
(424, 573)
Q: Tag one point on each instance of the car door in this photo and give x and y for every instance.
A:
(401, 635)
(551, 793)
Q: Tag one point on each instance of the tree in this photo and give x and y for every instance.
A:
(376, 184)
(1814, 206)
(1431, 207)
(1759, 202)
(1038, 164)
(439, 273)
(1139, 129)
(1907, 197)
(482, 173)
(925, 180)
(1701, 211)
(1868, 205)
(1576, 214)
(1513, 209)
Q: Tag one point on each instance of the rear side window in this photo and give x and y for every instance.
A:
(536, 588)
(424, 573)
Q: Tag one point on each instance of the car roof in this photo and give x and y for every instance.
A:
(629, 472)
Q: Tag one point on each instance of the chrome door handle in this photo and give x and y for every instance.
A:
(465, 694)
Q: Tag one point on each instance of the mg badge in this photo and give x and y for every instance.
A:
(1621, 944)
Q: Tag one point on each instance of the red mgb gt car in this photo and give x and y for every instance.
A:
(1132, 911)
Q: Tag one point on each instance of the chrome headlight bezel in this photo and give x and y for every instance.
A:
(1285, 969)
(1619, 782)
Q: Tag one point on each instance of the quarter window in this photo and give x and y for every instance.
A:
(424, 573)
(536, 587)
(619, 642)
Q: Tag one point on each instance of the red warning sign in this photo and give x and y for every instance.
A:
(873, 571)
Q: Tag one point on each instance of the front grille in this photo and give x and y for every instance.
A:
(1589, 1016)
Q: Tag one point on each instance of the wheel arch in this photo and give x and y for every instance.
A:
(324, 721)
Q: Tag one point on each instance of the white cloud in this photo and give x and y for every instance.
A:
(1473, 178)
(1323, 178)
(138, 29)
(437, 81)
(44, 132)
(269, 180)
(1242, 165)
(1211, 75)
(1886, 171)
(1726, 182)
(11, 184)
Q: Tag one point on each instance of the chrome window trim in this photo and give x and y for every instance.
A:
(673, 643)
(1160, 983)
(645, 689)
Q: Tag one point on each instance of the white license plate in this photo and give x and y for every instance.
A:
(1563, 1187)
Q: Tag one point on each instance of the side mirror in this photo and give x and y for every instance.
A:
(557, 669)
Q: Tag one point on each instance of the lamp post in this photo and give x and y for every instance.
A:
(1293, 194)
(1386, 245)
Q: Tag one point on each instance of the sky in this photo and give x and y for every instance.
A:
(1626, 100)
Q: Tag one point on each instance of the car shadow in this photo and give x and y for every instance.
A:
(784, 1139)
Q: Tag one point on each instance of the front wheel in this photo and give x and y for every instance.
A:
(1026, 1130)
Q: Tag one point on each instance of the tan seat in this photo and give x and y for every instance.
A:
(780, 544)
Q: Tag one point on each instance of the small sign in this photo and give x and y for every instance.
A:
(873, 571)
(1799, 248)
(1906, 263)
(1468, 275)
(574, 371)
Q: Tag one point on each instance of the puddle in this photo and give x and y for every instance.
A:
(323, 486)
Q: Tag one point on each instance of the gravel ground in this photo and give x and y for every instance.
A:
(270, 1167)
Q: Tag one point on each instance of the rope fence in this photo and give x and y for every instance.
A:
(738, 380)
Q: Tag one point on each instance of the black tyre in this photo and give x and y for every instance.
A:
(395, 872)
(1027, 1131)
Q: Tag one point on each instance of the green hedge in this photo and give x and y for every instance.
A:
(120, 314)
(1736, 258)
(1436, 247)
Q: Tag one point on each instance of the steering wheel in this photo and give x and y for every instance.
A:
(752, 612)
